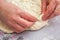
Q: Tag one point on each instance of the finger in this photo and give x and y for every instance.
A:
(49, 1)
(27, 16)
(50, 9)
(12, 28)
(15, 27)
(55, 13)
(24, 23)
(44, 5)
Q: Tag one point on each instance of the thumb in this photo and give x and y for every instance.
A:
(51, 7)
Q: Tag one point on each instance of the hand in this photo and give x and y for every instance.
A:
(50, 8)
(15, 18)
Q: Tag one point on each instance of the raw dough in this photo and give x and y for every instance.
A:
(31, 6)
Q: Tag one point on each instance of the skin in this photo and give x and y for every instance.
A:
(15, 18)
(51, 9)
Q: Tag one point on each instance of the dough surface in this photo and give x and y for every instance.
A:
(31, 6)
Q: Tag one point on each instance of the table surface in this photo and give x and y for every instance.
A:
(50, 32)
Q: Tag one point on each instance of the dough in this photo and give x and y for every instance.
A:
(31, 6)
(4, 28)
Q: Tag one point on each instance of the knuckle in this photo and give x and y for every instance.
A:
(13, 17)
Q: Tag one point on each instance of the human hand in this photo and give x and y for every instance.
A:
(15, 18)
(50, 8)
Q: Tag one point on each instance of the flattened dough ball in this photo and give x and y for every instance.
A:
(33, 7)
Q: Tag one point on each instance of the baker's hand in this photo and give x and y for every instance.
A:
(50, 9)
(16, 19)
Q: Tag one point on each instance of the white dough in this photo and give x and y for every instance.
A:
(4, 28)
(34, 8)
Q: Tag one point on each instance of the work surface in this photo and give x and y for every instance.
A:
(50, 32)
